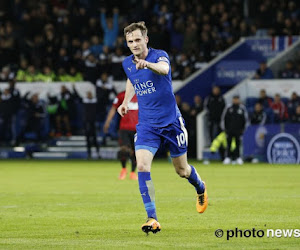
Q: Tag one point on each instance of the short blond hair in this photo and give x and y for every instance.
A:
(136, 26)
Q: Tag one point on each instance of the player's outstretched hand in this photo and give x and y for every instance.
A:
(141, 64)
(123, 110)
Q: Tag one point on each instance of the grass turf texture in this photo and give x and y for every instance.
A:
(82, 205)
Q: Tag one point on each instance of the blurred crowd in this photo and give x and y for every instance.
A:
(259, 110)
(291, 70)
(265, 109)
(78, 40)
(31, 118)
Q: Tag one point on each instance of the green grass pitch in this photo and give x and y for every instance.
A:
(83, 205)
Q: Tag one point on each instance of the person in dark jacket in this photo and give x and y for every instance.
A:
(104, 86)
(296, 117)
(293, 103)
(65, 111)
(15, 94)
(215, 105)
(264, 100)
(289, 71)
(258, 116)
(36, 114)
(90, 112)
(263, 72)
(6, 112)
(52, 109)
(15, 105)
(9, 106)
(234, 122)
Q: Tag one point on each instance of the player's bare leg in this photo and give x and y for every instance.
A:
(144, 160)
(184, 170)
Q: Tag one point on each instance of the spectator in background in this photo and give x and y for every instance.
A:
(6, 74)
(62, 75)
(264, 72)
(38, 32)
(263, 99)
(96, 47)
(46, 76)
(279, 109)
(288, 72)
(197, 106)
(116, 60)
(186, 72)
(295, 118)
(189, 123)
(186, 111)
(258, 117)
(190, 37)
(22, 71)
(176, 34)
(91, 68)
(104, 86)
(74, 75)
(31, 74)
(63, 60)
(14, 105)
(105, 59)
(36, 115)
(6, 113)
(90, 114)
(65, 112)
(110, 27)
(214, 104)
(52, 109)
(234, 122)
(293, 103)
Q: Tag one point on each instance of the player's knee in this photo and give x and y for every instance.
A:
(182, 172)
(142, 167)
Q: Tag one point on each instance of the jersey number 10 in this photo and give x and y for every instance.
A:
(180, 139)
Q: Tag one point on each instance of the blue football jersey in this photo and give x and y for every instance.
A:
(157, 104)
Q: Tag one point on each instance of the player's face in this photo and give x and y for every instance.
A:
(136, 42)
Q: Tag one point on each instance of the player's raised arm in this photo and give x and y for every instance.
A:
(129, 93)
(161, 68)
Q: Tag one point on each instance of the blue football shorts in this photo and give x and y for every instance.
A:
(174, 136)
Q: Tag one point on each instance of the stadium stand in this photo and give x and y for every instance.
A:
(74, 41)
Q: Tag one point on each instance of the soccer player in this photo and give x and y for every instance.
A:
(149, 77)
(126, 133)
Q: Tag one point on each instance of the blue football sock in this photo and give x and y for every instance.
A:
(147, 193)
(195, 180)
